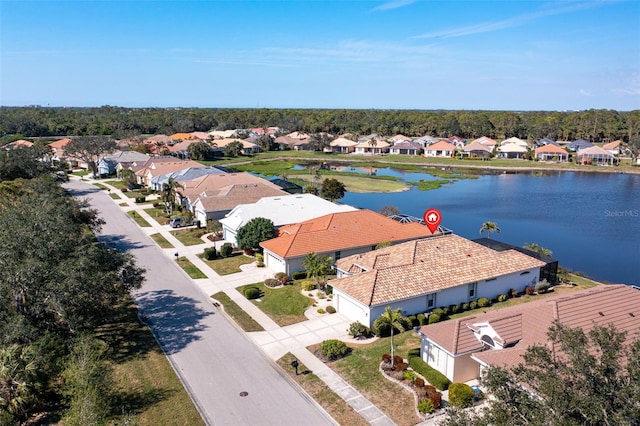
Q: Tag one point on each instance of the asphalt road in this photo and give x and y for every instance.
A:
(216, 362)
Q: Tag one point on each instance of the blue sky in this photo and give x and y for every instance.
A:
(496, 55)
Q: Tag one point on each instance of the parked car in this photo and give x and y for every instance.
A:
(179, 221)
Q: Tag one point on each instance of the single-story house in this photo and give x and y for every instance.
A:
(335, 235)
(579, 144)
(476, 150)
(514, 140)
(461, 348)
(418, 276)
(426, 140)
(215, 204)
(108, 164)
(405, 148)
(21, 143)
(223, 134)
(281, 210)
(57, 151)
(157, 166)
(551, 152)
(190, 173)
(457, 141)
(343, 145)
(486, 141)
(613, 147)
(372, 146)
(596, 155)
(440, 149)
(247, 147)
(546, 141)
(512, 150)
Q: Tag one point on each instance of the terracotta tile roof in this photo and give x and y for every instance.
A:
(60, 143)
(424, 266)
(551, 149)
(476, 146)
(527, 323)
(160, 138)
(165, 167)
(379, 144)
(441, 146)
(612, 145)
(21, 143)
(485, 140)
(181, 136)
(341, 231)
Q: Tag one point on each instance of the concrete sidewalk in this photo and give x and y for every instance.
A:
(275, 341)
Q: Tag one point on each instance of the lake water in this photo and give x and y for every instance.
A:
(591, 221)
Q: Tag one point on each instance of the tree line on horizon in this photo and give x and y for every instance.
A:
(595, 125)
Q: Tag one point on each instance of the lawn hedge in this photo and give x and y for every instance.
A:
(432, 375)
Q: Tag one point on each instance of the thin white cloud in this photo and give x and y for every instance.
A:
(632, 88)
(585, 93)
(393, 4)
(485, 27)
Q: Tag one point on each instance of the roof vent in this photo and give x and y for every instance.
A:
(601, 314)
(631, 315)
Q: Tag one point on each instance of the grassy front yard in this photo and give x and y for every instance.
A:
(148, 391)
(158, 214)
(284, 305)
(228, 265)
(231, 308)
(360, 368)
(161, 241)
(322, 394)
(190, 237)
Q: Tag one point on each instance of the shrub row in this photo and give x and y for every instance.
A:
(334, 349)
(432, 375)
(210, 253)
(299, 275)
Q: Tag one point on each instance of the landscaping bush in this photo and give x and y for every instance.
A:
(356, 329)
(331, 309)
(410, 376)
(434, 318)
(483, 302)
(308, 285)
(435, 398)
(413, 320)
(226, 250)
(156, 204)
(259, 260)
(334, 349)
(473, 305)
(541, 287)
(413, 352)
(465, 306)
(299, 275)
(386, 358)
(397, 359)
(513, 292)
(422, 319)
(252, 293)
(271, 283)
(124, 190)
(400, 366)
(432, 375)
(426, 407)
(282, 277)
(454, 309)
(140, 199)
(528, 290)
(502, 297)
(321, 295)
(320, 311)
(461, 395)
(418, 382)
(209, 253)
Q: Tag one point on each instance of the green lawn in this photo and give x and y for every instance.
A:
(99, 185)
(284, 305)
(360, 184)
(161, 241)
(190, 237)
(147, 388)
(139, 219)
(228, 265)
(114, 196)
(360, 368)
(426, 185)
(321, 393)
(190, 268)
(158, 214)
(119, 184)
(231, 308)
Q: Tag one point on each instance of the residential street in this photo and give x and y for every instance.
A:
(216, 362)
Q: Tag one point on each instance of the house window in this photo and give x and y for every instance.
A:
(338, 255)
(431, 301)
(473, 287)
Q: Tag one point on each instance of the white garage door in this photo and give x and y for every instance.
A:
(275, 264)
(350, 309)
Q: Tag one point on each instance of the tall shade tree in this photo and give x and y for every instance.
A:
(332, 189)
(254, 232)
(90, 149)
(489, 228)
(393, 319)
(199, 151)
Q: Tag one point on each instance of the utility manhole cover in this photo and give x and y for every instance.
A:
(244, 393)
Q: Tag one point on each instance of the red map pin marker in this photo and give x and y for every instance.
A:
(432, 219)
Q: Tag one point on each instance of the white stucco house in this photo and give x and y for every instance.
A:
(281, 210)
(420, 275)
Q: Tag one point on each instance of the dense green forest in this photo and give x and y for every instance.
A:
(594, 125)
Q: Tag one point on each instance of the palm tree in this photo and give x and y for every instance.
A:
(317, 267)
(489, 228)
(169, 194)
(393, 319)
(538, 249)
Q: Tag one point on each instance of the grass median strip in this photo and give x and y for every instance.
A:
(139, 219)
(231, 308)
(321, 393)
(228, 265)
(190, 268)
(161, 241)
